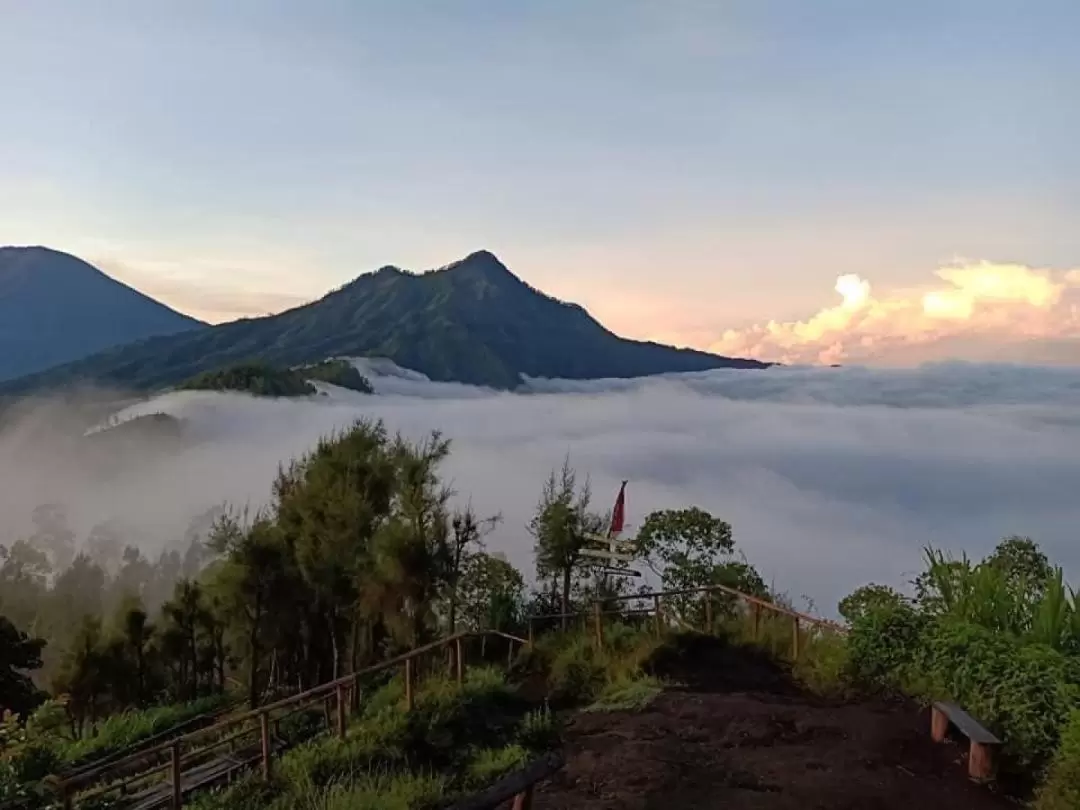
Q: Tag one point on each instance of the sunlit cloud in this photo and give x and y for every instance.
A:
(982, 302)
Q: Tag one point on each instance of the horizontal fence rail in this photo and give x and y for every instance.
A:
(757, 606)
(188, 762)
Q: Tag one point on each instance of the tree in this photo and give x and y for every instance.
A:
(250, 582)
(410, 553)
(467, 538)
(137, 632)
(868, 599)
(689, 548)
(492, 593)
(23, 582)
(19, 654)
(561, 526)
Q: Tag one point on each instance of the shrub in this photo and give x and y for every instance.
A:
(882, 645)
(824, 666)
(1061, 790)
(1023, 692)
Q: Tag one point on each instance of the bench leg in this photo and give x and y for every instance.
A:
(523, 801)
(939, 725)
(982, 765)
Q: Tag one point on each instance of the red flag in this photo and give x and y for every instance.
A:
(619, 515)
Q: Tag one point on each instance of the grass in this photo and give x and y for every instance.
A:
(128, 728)
(628, 693)
(457, 739)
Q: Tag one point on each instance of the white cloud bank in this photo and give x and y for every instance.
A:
(974, 309)
(830, 477)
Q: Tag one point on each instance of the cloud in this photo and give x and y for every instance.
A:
(830, 477)
(975, 310)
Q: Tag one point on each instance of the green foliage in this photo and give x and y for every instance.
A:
(377, 790)
(628, 694)
(539, 730)
(883, 643)
(488, 765)
(824, 664)
(869, 598)
(473, 322)
(1023, 692)
(258, 379)
(692, 549)
(19, 654)
(1061, 789)
(341, 373)
(128, 728)
(561, 527)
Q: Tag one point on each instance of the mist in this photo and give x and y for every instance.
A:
(830, 477)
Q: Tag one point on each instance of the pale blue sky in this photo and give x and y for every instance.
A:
(678, 167)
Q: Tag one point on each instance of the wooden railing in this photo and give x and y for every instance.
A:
(756, 605)
(516, 787)
(181, 754)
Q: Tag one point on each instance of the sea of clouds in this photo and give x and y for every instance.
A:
(831, 477)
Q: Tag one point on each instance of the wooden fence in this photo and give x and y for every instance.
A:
(756, 605)
(253, 738)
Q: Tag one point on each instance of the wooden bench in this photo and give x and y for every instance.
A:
(982, 755)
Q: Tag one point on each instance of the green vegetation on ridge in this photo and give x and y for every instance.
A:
(333, 577)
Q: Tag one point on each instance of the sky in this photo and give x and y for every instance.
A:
(830, 478)
(808, 182)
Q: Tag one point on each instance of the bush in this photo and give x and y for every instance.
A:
(1061, 790)
(882, 645)
(1023, 692)
(824, 665)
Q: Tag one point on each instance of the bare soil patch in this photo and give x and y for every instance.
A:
(741, 735)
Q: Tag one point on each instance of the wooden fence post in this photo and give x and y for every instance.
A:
(656, 614)
(459, 656)
(795, 638)
(708, 613)
(531, 632)
(177, 794)
(408, 684)
(264, 730)
(509, 653)
(757, 621)
(341, 710)
(598, 625)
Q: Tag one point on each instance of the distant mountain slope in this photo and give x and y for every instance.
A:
(55, 308)
(472, 321)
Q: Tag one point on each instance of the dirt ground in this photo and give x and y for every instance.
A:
(739, 735)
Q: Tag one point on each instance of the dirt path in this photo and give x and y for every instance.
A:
(742, 736)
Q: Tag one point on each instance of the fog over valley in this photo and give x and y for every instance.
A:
(830, 477)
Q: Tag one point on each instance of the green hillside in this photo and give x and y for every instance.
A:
(472, 322)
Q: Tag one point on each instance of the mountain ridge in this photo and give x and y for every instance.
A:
(471, 321)
(56, 308)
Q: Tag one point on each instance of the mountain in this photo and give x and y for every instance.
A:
(55, 308)
(472, 321)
